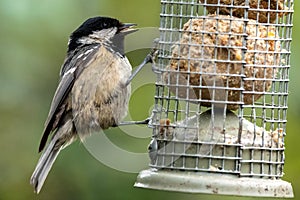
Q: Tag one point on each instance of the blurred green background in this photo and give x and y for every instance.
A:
(33, 39)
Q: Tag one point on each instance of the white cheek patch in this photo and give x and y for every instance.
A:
(86, 40)
(104, 34)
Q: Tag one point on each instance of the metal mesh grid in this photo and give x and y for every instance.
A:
(222, 86)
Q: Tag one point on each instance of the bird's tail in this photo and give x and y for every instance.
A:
(44, 164)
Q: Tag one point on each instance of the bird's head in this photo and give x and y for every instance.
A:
(103, 30)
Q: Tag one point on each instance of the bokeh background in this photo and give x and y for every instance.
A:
(33, 39)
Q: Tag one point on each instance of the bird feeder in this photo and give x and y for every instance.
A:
(219, 120)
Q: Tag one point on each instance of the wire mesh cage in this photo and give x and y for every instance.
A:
(219, 120)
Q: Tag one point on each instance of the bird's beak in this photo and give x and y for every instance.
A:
(127, 28)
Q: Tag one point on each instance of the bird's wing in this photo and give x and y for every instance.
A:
(71, 69)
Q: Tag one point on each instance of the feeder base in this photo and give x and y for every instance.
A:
(212, 183)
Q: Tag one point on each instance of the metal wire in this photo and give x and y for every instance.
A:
(222, 86)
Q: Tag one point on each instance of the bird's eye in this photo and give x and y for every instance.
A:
(104, 25)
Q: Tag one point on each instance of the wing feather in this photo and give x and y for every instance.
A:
(70, 71)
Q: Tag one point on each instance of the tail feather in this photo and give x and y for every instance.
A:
(44, 165)
(64, 136)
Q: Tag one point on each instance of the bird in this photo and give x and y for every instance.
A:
(93, 90)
